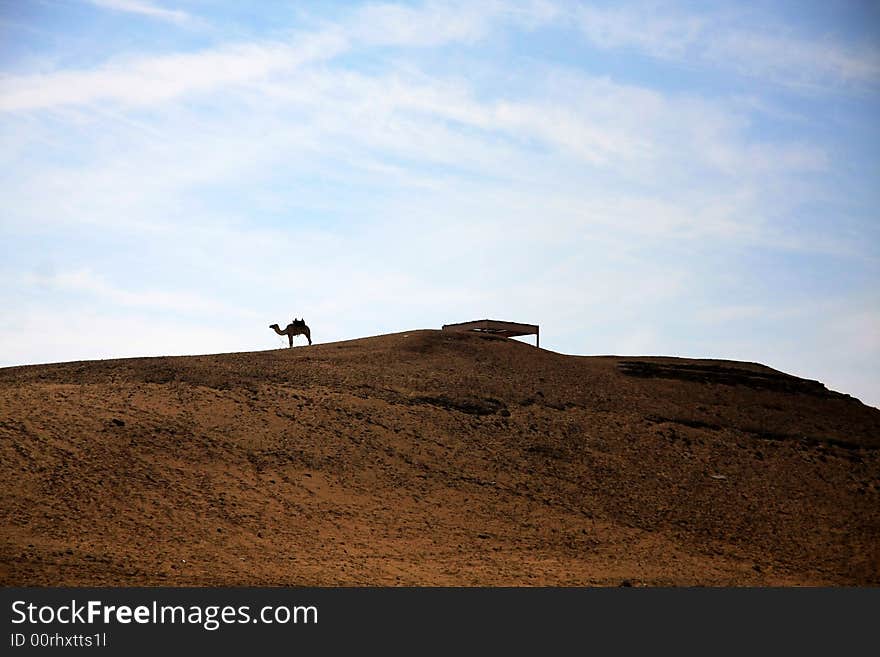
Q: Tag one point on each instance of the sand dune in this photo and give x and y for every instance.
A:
(433, 458)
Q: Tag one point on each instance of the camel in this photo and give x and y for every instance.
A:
(296, 327)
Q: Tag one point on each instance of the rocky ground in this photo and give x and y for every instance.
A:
(430, 458)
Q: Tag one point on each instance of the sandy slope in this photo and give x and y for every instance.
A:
(433, 458)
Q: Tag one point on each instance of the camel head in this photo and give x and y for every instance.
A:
(273, 326)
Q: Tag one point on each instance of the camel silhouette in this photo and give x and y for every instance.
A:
(296, 327)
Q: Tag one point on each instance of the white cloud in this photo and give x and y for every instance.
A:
(144, 8)
(158, 79)
(709, 40)
(659, 35)
(431, 24)
(149, 80)
(795, 60)
(435, 23)
(554, 155)
(85, 281)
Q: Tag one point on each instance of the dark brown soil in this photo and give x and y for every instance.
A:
(433, 458)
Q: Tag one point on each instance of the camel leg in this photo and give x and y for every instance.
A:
(309, 337)
(290, 339)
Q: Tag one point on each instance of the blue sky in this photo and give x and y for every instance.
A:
(694, 179)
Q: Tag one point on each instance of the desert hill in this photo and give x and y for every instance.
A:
(430, 457)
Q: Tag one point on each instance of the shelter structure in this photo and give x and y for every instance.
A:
(496, 327)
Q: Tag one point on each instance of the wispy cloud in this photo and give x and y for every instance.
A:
(394, 127)
(89, 283)
(588, 155)
(157, 79)
(144, 8)
(717, 41)
(704, 40)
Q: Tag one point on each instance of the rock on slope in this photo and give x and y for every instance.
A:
(433, 458)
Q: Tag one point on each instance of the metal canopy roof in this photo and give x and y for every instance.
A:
(496, 327)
